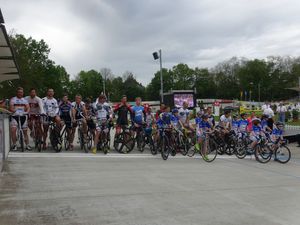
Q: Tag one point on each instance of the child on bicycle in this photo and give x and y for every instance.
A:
(256, 133)
(202, 128)
(175, 120)
(243, 124)
(277, 132)
(235, 124)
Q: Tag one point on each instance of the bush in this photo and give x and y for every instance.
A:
(295, 115)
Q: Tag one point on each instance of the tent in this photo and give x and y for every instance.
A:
(8, 66)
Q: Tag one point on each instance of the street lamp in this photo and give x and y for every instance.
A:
(158, 56)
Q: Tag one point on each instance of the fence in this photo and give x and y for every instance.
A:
(4, 138)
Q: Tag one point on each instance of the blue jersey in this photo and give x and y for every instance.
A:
(198, 120)
(243, 124)
(65, 109)
(235, 125)
(277, 132)
(138, 114)
(164, 119)
(264, 124)
(256, 129)
(175, 120)
(204, 125)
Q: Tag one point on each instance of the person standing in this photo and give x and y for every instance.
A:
(281, 110)
(19, 106)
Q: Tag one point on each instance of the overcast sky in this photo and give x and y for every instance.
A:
(122, 34)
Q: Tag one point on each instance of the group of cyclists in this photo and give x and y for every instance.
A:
(98, 118)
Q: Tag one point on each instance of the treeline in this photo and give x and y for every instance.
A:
(237, 78)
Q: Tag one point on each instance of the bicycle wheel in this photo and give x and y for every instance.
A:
(283, 154)
(240, 151)
(151, 144)
(191, 152)
(66, 142)
(89, 140)
(211, 151)
(139, 141)
(83, 144)
(263, 153)
(165, 148)
(54, 140)
(21, 140)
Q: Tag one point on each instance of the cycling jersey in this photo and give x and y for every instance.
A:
(243, 124)
(35, 104)
(225, 121)
(50, 106)
(202, 127)
(122, 112)
(19, 105)
(235, 126)
(211, 120)
(102, 111)
(79, 109)
(164, 119)
(65, 109)
(198, 120)
(149, 119)
(138, 114)
(256, 130)
(175, 121)
(277, 132)
(183, 114)
(264, 124)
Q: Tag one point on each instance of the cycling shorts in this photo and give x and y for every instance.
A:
(14, 121)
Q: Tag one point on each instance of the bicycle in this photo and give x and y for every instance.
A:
(262, 151)
(208, 149)
(81, 136)
(164, 142)
(124, 139)
(37, 132)
(20, 132)
(55, 137)
(104, 137)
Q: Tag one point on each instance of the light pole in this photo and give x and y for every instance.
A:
(158, 56)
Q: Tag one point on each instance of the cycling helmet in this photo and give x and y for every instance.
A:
(279, 124)
(255, 119)
(205, 116)
(175, 111)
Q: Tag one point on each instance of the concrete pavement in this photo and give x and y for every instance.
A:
(78, 188)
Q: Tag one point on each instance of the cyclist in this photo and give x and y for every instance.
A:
(164, 121)
(36, 109)
(256, 132)
(161, 110)
(175, 120)
(235, 124)
(79, 113)
(202, 128)
(19, 106)
(211, 118)
(103, 114)
(66, 115)
(226, 123)
(138, 115)
(91, 115)
(243, 124)
(122, 111)
(51, 110)
(277, 132)
(184, 115)
(150, 120)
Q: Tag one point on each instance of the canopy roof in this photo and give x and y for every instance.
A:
(8, 66)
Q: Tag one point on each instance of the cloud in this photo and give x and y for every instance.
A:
(122, 34)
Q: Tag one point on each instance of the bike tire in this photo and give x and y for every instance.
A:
(263, 154)
(211, 152)
(283, 154)
(165, 149)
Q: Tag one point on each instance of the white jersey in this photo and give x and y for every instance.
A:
(225, 122)
(183, 114)
(19, 105)
(103, 111)
(50, 106)
(36, 105)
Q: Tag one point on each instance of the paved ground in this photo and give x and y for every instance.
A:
(77, 188)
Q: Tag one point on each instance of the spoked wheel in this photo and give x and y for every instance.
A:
(140, 141)
(89, 140)
(151, 144)
(240, 150)
(263, 154)
(124, 143)
(165, 148)
(184, 145)
(283, 154)
(55, 141)
(66, 142)
(211, 151)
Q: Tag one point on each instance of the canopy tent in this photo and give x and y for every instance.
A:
(8, 66)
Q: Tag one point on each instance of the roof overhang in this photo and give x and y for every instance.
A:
(8, 66)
